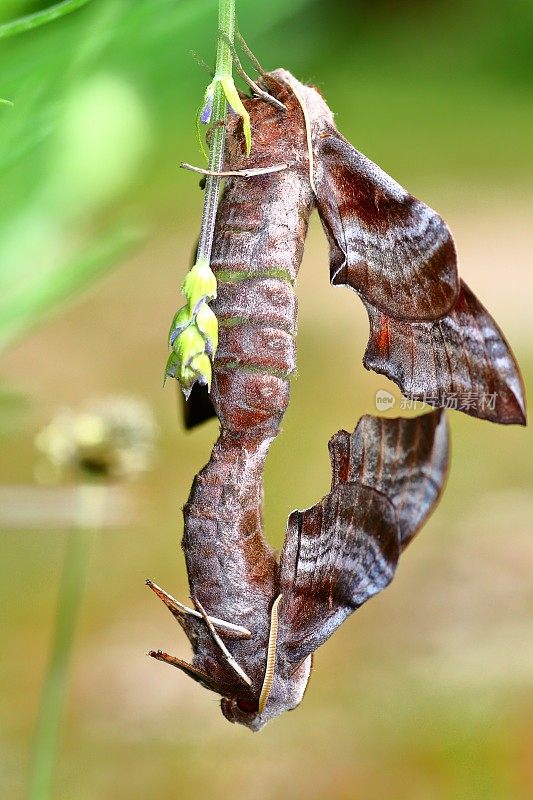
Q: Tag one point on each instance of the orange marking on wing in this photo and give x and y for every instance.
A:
(383, 336)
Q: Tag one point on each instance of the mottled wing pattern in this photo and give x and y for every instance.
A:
(396, 252)
(337, 554)
(428, 332)
(461, 361)
(405, 459)
(387, 477)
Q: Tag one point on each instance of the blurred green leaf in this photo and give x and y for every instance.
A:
(97, 103)
(28, 304)
(31, 21)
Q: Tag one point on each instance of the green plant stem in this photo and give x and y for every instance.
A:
(69, 603)
(224, 60)
(31, 21)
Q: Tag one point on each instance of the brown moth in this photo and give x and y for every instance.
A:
(428, 332)
(256, 622)
(387, 476)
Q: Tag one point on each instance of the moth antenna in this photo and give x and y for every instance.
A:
(246, 78)
(268, 680)
(203, 64)
(250, 54)
(179, 610)
(238, 173)
(307, 123)
(227, 655)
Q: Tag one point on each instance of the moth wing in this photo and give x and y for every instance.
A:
(406, 459)
(197, 408)
(428, 332)
(395, 251)
(461, 361)
(336, 555)
(387, 477)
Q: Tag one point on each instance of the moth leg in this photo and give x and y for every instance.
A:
(160, 655)
(179, 610)
(246, 78)
(237, 173)
(218, 641)
(189, 669)
(268, 98)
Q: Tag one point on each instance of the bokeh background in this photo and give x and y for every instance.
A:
(426, 692)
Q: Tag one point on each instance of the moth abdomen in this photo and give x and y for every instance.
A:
(256, 352)
(257, 348)
(261, 225)
(257, 319)
(268, 300)
(250, 400)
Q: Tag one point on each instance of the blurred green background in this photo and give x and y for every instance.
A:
(426, 692)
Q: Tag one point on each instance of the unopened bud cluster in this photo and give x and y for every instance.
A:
(193, 334)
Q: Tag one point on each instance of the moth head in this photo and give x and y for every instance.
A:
(282, 688)
(308, 97)
(276, 687)
(243, 705)
(286, 692)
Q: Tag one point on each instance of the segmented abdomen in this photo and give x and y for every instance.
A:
(261, 226)
(258, 246)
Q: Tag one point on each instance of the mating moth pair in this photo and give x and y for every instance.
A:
(257, 620)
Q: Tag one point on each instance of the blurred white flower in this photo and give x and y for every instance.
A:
(109, 438)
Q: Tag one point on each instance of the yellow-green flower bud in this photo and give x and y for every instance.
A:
(182, 320)
(201, 365)
(188, 361)
(200, 284)
(193, 334)
(189, 343)
(207, 324)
